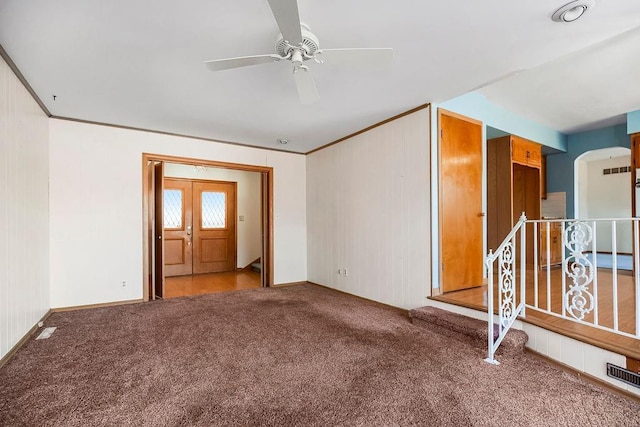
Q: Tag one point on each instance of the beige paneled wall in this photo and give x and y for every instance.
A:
(96, 207)
(24, 224)
(368, 211)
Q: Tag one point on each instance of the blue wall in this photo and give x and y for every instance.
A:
(633, 122)
(560, 167)
(476, 106)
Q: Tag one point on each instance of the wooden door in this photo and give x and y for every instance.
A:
(526, 198)
(177, 227)
(461, 216)
(214, 234)
(158, 236)
(635, 176)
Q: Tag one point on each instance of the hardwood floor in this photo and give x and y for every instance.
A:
(551, 283)
(179, 286)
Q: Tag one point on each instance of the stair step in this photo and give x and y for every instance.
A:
(476, 330)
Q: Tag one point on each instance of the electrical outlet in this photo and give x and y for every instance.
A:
(124, 283)
(340, 271)
(346, 272)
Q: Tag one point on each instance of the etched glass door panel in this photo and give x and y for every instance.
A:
(214, 211)
(173, 209)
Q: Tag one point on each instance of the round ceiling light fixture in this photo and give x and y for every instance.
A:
(572, 11)
(283, 141)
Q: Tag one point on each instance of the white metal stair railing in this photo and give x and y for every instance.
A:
(508, 306)
(576, 280)
(583, 278)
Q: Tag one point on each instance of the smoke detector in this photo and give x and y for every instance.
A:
(573, 11)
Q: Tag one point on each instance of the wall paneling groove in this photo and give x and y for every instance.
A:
(24, 205)
(368, 211)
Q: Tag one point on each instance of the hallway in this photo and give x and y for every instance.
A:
(179, 286)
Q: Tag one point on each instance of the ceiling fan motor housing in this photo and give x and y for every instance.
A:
(310, 44)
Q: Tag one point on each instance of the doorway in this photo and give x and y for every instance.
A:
(199, 221)
(604, 189)
(199, 241)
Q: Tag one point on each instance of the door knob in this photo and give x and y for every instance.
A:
(482, 214)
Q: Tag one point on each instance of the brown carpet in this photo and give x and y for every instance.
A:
(300, 355)
(474, 330)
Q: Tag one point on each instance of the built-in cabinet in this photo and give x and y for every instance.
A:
(635, 174)
(513, 187)
(551, 238)
(543, 178)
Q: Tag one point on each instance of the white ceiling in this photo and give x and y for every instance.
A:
(139, 63)
(589, 89)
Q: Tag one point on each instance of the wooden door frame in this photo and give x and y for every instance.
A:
(266, 211)
(634, 140)
(441, 111)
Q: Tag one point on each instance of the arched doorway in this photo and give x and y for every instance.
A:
(603, 190)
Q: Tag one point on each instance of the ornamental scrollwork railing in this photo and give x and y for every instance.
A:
(578, 300)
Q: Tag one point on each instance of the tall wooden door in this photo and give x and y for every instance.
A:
(214, 237)
(178, 229)
(461, 216)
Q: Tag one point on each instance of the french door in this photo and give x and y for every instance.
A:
(199, 220)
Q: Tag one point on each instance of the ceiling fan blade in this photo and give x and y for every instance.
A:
(242, 61)
(307, 90)
(288, 19)
(364, 56)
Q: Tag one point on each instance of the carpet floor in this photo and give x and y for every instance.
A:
(300, 355)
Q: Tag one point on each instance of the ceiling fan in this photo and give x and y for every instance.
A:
(297, 45)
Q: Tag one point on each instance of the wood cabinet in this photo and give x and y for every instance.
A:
(543, 178)
(635, 149)
(635, 177)
(513, 187)
(553, 243)
(525, 152)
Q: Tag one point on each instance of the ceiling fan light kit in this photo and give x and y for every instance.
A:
(297, 44)
(573, 11)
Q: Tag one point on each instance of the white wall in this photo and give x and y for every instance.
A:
(609, 196)
(96, 207)
(249, 244)
(368, 207)
(24, 227)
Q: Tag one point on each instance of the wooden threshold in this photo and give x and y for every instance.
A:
(610, 341)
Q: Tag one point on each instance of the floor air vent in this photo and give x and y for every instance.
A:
(624, 375)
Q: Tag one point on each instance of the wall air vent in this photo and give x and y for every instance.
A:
(623, 375)
(622, 169)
